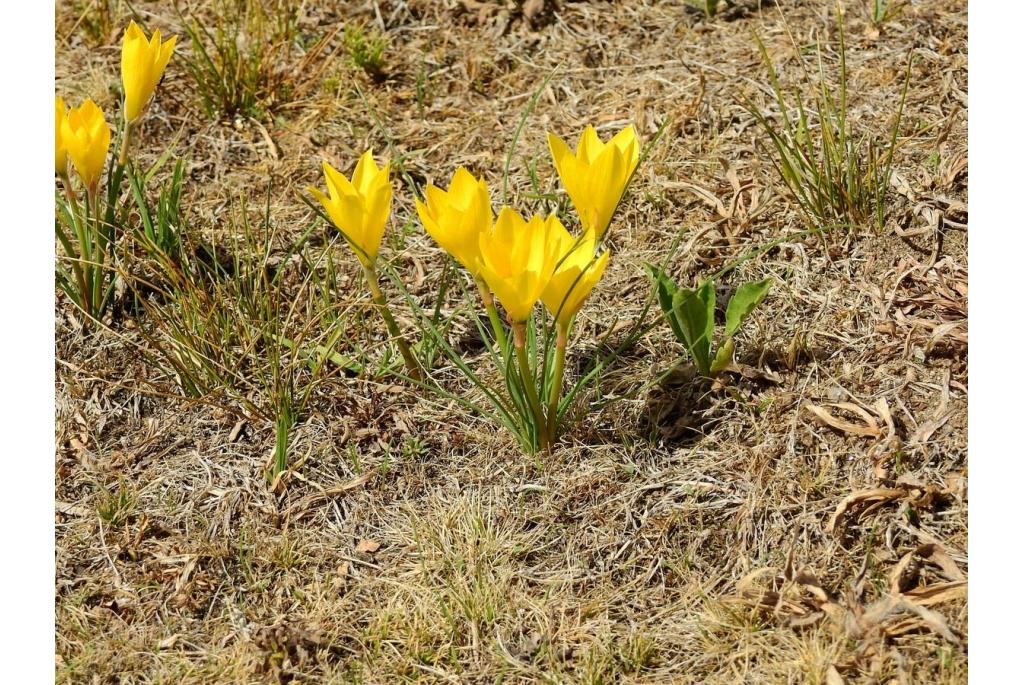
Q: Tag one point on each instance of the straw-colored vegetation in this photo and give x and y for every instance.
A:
(480, 341)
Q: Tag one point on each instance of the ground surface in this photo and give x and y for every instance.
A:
(807, 522)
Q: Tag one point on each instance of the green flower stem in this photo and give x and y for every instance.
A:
(492, 314)
(382, 306)
(76, 267)
(69, 192)
(94, 264)
(555, 391)
(519, 341)
(122, 157)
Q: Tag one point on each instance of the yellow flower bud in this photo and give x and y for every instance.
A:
(457, 217)
(577, 273)
(516, 260)
(595, 177)
(61, 150)
(142, 64)
(87, 137)
(359, 208)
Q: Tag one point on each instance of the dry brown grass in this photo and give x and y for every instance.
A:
(679, 535)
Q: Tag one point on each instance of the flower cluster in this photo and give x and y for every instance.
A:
(516, 262)
(82, 135)
(520, 261)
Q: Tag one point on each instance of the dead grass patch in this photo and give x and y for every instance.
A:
(413, 542)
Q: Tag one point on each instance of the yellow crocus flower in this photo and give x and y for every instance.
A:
(87, 137)
(143, 62)
(595, 177)
(359, 208)
(61, 150)
(577, 273)
(456, 218)
(516, 260)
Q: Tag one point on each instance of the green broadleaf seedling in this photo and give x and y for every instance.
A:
(691, 314)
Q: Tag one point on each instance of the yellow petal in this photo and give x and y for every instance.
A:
(337, 185)
(559, 152)
(437, 199)
(133, 70)
(166, 50)
(349, 216)
(366, 172)
(495, 244)
(133, 32)
(377, 208)
(609, 183)
(462, 188)
(426, 218)
(325, 201)
(570, 286)
(506, 289)
(517, 258)
(590, 145)
(625, 140)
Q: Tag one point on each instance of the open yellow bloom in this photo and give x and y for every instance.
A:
(87, 137)
(143, 62)
(577, 273)
(516, 260)
(456, 218)
(61, 150)
(595, 177)
(359, 208)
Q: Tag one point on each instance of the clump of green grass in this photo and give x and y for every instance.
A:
(115, 508)
(837, 176)
(158, 224)
(237, 56)
(637, 653)
(882, 11)
(709, 7)
(86, 272)
(366, 50)
(97, 18)
(97, 254)
(234, 332)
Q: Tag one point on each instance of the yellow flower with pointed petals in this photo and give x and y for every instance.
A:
(595, 177)
(516, 260)
(61, 150)
(578, 271)
(456, 218)
(359, 208)
(143, 61)
(87, 137)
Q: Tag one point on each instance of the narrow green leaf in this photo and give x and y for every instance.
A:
(140, 203)
(519, 130)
